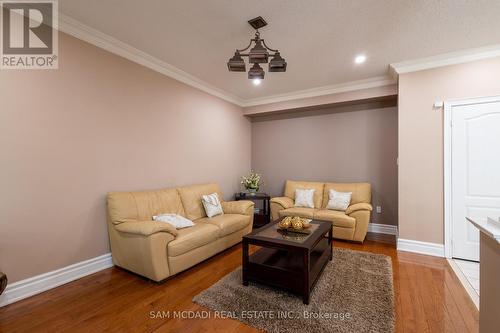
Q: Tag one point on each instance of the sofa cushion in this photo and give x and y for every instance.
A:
(308, 213)
(292, 185)
(304, 197)
(211, 203)
(191, 199)
(227, 223)
(338, 200)
(361, 192)
(193, 237)
(338, 218)
(243, 207)
(143, 205)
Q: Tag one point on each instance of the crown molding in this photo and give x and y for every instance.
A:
(90, 35)
(445, 59)
(374, 82)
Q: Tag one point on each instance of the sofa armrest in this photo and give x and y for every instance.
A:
(285, 202)
(243, 207)
(146, 228)
(146, 255)
(359, 206)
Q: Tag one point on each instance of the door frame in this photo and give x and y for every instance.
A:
(448, 167)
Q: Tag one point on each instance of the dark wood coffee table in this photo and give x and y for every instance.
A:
(288, 260)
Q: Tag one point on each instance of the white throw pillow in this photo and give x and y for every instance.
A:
(212, 204)
(338, 200)
(177, 221)
(304, 198)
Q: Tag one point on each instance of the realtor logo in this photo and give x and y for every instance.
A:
(29, 38)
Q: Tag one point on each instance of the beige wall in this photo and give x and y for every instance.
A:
(343, 147)
(421, 212)
(100, 123)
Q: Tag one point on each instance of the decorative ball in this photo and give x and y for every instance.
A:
(297, 224)
(285, 223)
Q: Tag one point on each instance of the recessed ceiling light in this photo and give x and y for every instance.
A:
(360, 59)
(256, 82)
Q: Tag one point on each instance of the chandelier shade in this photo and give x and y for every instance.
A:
(256, 72)
(236, 63)
(260, 53)
(277, 64)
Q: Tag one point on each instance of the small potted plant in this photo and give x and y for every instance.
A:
(252, 182)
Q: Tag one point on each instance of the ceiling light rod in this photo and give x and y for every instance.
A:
(259, 54)
(255, 40)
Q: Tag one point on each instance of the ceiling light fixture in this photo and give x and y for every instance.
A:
(259, 54)
(360, 59)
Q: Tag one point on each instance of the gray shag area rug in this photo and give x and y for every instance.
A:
(354, 294)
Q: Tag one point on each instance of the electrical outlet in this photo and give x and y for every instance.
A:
(379, 209)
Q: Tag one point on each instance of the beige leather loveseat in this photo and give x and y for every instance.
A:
(350, 225)
(157, 250)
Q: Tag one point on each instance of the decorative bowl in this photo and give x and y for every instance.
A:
(294, 223)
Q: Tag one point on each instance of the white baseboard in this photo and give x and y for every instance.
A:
(40, 283)
(431, 249)
(383, 229)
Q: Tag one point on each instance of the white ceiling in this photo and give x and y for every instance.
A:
(318, 38)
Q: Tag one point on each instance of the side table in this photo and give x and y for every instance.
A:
(261, 216)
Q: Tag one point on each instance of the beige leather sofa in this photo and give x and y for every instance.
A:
(157, 250)
(350, 225)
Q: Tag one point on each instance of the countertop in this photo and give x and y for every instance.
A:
(489, 226)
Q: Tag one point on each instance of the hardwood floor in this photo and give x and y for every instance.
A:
(428, 298)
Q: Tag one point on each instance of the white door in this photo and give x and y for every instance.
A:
(475, 171)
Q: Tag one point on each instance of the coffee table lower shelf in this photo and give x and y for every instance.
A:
(295, 270)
